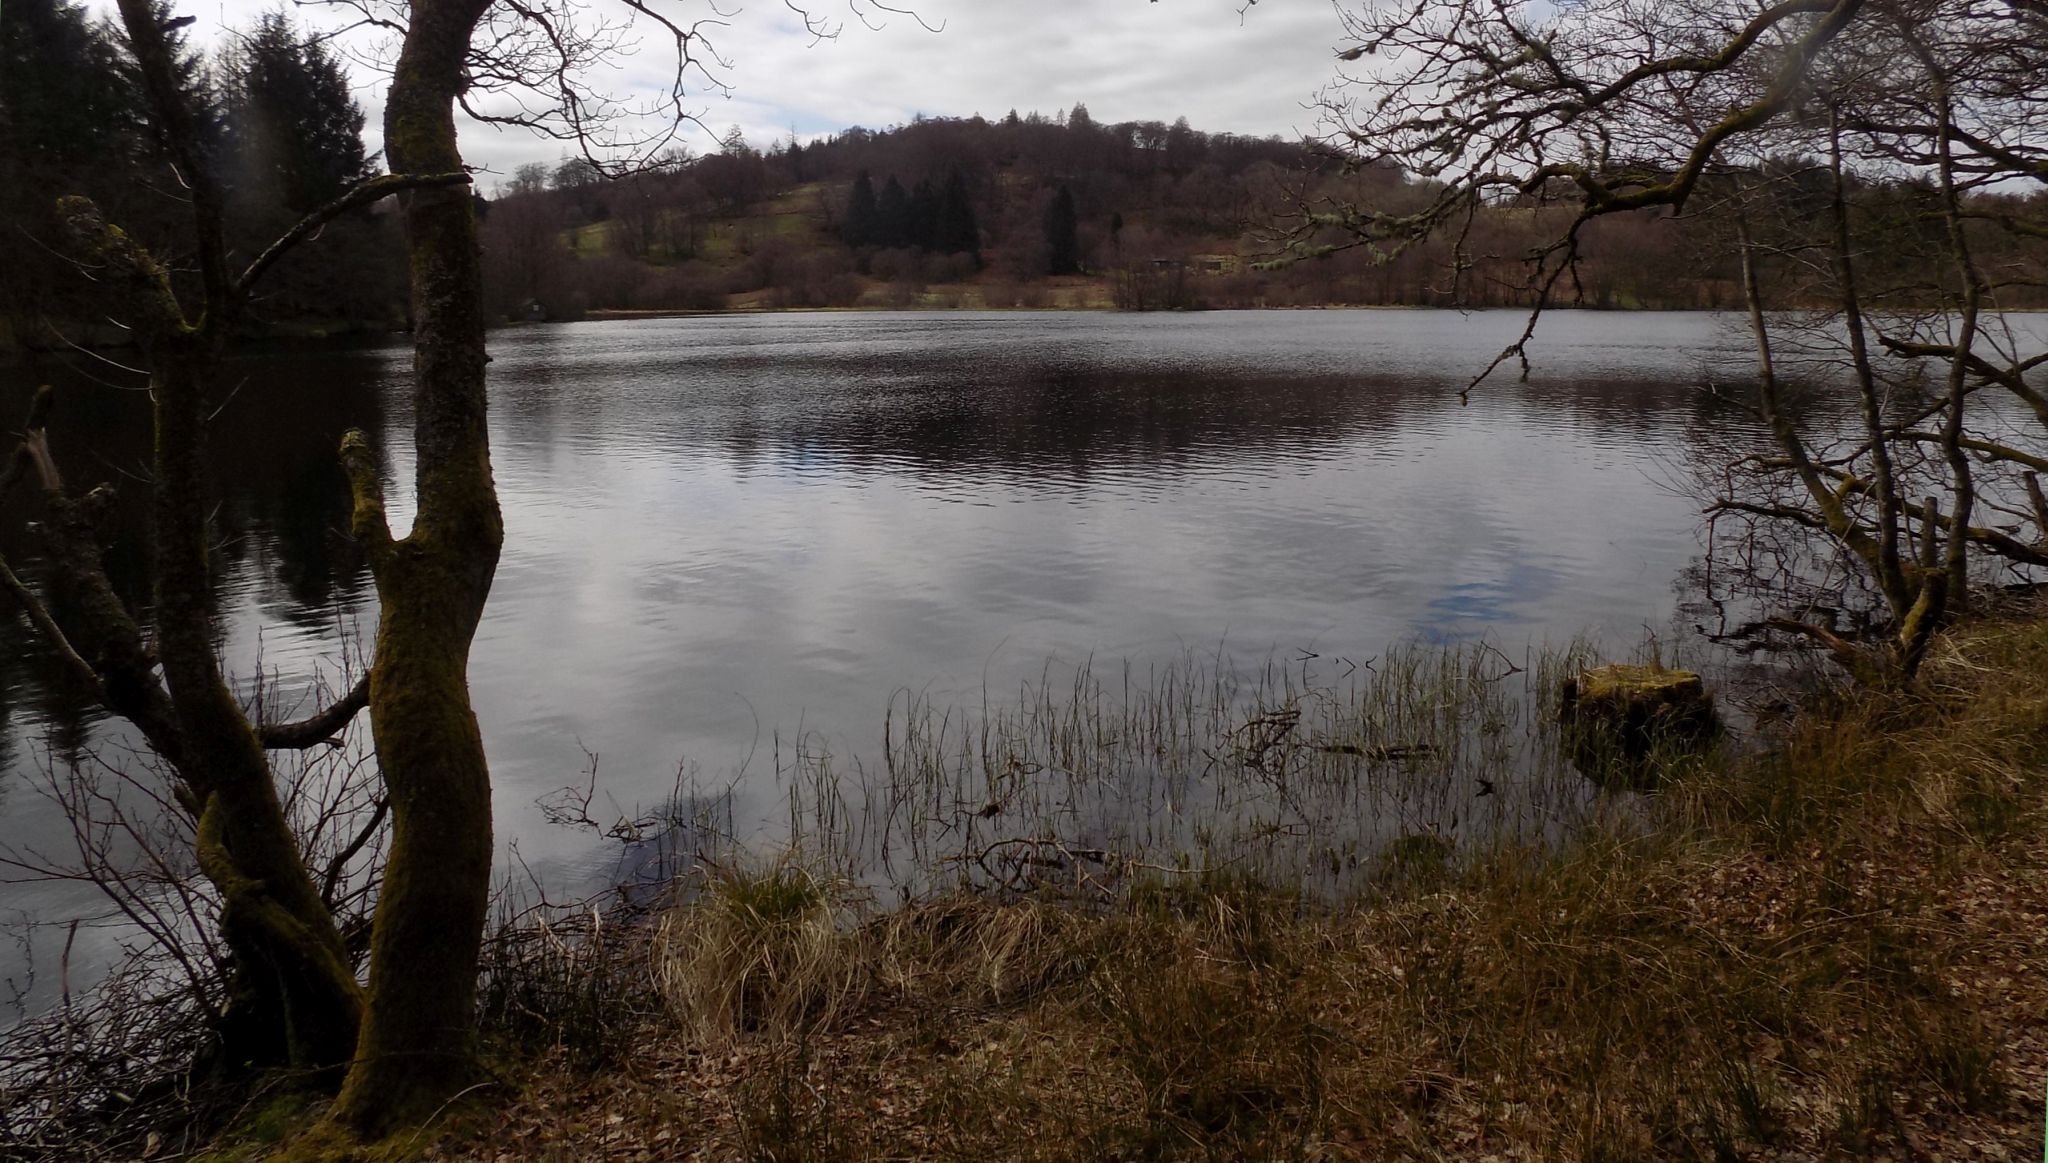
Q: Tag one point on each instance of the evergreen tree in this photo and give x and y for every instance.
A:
(1063, 250)
(863, 216)
(63, 96)
(893, 215)
(292, 140)
(956, 231)
(296, 133)
(1184, 147)
(923, 218)
(201, 99)
(575, 174)
(71, 122)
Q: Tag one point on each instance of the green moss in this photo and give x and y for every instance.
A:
(1627, 726)
(1622, 681)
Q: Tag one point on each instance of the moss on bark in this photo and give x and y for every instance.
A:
(417, 1048)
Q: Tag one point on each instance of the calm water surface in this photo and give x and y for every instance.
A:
(724, 530)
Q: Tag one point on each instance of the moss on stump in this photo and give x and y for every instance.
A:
(1622, 723)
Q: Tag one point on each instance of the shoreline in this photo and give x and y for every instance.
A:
(1829, 947)
(13, 352)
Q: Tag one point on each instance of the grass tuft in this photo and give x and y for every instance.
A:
(1826, 949)
(755, 952)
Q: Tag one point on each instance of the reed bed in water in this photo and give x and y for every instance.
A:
(1303, 773)
(1823, 950)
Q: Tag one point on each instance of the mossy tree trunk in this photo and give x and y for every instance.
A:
(293, 999)
(417, 1046)
(409, 1044)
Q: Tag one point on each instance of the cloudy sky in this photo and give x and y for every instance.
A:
(1125, 59)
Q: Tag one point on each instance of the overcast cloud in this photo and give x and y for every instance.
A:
(1127, 60)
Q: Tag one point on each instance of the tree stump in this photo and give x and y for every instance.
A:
(1621, 723)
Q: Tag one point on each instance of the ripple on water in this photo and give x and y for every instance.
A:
(719, 527)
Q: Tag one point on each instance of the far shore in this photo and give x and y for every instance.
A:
(106, 336)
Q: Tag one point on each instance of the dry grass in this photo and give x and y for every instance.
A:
(761, 953)
(1832, 951)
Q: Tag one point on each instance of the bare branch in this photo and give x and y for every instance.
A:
(367, 522)
(317, 728)
(362, 194)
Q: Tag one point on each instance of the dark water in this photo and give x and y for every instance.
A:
(722, 530)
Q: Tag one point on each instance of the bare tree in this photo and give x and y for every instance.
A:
(408, 1041)
(1783, 124)
(294, 998)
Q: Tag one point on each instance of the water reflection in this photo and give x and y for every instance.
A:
(725, 532)
(722, 530)
(289, 582)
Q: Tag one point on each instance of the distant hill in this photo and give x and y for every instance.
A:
(942, 211)
(1035, 211)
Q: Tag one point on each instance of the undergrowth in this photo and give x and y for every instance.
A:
(1828, 948)
(1809, 952)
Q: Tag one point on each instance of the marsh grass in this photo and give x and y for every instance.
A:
(1816, 949)
(1296, 773)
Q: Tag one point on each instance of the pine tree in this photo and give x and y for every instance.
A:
(70, 122)
(188, 74)
(893, 215)
(1184, 147)
(1063, 250)
(957, 232)
(63, 96)
(863, 216)
(923, 217)
(295, 131)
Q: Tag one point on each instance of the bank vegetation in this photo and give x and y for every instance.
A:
(1821, 947)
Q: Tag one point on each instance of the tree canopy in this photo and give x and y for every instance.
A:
(293, 126)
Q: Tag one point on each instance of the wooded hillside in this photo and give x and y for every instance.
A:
(1022, 211)
(1059, 211)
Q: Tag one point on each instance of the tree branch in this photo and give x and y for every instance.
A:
(339, 864)
(76, 668)
(140, 282)
(317, 728)
(2012, 379)
(362, 194)
(367, 522)
(1853, 658)
(174, 119)
(34, 450)
(115, 664)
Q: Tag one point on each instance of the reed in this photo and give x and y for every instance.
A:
(1144, 951)
(1296, 772)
